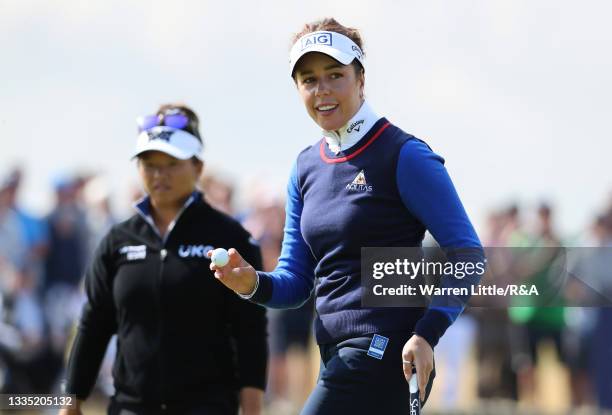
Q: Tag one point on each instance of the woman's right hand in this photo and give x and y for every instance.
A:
(237, 275)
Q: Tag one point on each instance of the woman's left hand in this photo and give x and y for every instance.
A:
(251, 401)
(420, 354)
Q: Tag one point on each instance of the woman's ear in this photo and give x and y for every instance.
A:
(199, 165)
(201, 168)
(362, 84)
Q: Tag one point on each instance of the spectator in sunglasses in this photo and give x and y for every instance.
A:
(185, 343)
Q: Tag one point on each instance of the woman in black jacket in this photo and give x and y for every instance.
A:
(185, 343)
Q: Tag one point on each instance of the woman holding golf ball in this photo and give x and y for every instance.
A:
(365, 184)
(185, 343)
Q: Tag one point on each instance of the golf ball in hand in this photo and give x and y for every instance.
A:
(220, 257)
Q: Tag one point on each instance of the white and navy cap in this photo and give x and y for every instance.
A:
(177, 143)
(333, 44)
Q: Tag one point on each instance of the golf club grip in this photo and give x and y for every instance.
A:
(415, 400)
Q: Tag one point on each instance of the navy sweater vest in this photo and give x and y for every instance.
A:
(351, 200)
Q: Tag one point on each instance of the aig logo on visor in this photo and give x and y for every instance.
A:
(324, 38)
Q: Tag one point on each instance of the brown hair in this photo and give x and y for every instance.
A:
(194, 123)
(332, 25)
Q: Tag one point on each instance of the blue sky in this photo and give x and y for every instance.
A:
(514, 94)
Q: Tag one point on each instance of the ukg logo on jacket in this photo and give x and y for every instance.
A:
(198, 251)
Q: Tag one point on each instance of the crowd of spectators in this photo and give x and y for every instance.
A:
(42, 260)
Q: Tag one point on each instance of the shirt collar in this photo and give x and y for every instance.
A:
(353, 131)
(143, 207)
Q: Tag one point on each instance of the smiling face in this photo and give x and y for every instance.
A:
(332, 92)
(167, 180)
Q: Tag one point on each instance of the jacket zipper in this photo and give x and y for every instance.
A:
(163, 253)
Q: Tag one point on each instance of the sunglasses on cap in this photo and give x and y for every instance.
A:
(173, 118)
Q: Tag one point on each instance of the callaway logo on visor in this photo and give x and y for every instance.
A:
(357, 51)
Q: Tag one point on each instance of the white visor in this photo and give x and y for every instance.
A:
(333, 44)
(176, 143)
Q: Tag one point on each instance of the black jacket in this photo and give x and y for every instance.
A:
(182, 336)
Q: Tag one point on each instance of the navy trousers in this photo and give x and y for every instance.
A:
(351, 382)
(223, 404)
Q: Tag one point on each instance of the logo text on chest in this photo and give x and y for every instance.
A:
(198, 251)
(134, 252)
(359, 184)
